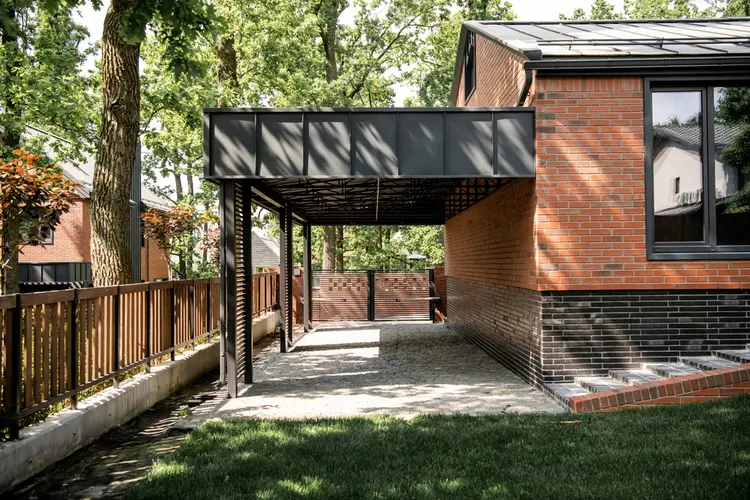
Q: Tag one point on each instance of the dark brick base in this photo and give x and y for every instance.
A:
(592, 332)
(504, 321)
(557, 336)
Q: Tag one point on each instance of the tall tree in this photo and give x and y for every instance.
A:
(652, 9)
(177, 24)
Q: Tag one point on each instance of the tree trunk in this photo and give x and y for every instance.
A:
(11, 239)
(227, 71)
(190, 186)
(329, 248)
(340, 248)
(116, 152)
(13, 127)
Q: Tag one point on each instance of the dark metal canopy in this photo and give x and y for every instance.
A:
(370, 166)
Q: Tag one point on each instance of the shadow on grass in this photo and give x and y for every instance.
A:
(695, 451)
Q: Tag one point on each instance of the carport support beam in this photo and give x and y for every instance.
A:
(283, 230)
(247, 251)
(307, 276)
(229, 284)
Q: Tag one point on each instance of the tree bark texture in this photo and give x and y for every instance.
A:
(11, 239)
(118, 142)
(339, 248)
(227, 70)
(329, 248)
(11, 136)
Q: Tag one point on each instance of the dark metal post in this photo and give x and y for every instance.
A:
(247, 246)
(229, 285)
(191, 311)
(307, 277)
(172, 332)
(148, 328)
(73, 368)
(116, 342)
(15, 369)
(289, 265)
(282, 278)
(370, 295)
(432, 303)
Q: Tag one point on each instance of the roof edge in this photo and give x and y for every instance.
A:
(643, 65)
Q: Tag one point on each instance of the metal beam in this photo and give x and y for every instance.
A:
(229, 285)
(307, 277)
(283, 230)
(247, 254)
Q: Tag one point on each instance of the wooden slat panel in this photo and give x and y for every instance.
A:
(54, 339)
(27, 361)
(402, 296)
(37, 354)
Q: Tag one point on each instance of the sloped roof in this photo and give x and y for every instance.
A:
(690, 135)
(621, 38)
(82, 172)
(265, 250)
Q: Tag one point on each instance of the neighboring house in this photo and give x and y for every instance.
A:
(65, 257)
(265, 252)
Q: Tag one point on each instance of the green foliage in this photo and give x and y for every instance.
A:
(42, 77)
(435, 59)
(651, 9)
(734, 109)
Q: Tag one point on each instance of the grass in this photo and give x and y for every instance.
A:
(697, 451)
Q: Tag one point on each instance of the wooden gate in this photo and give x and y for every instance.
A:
(402, 296)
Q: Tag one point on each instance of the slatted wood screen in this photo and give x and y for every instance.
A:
(339, 296)
(242, 215)
(402, 296)
(71, 340)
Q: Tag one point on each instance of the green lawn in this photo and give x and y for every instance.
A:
(696, 452)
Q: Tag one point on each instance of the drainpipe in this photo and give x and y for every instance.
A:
(531, 55)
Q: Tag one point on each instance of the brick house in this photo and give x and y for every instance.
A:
(570, 175)
(66, 256)
(614, 254)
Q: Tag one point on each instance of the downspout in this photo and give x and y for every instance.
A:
(531, 55)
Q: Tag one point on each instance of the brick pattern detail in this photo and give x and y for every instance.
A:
(492, 241)
(591, 191)
(504, 321)
(500, 76)
(71, 242)
(593, 332)
(705, 386)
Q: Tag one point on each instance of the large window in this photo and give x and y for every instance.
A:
(470, 62)
(698, 171)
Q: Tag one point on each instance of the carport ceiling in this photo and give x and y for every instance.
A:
(376, 201)
(370, 166)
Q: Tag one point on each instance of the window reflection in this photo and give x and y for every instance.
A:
(732, 164)
(678, 166)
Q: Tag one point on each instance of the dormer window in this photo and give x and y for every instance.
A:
(470, 61)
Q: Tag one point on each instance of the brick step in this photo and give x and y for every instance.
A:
(708, 362)
(598, 384)
(668, 370)
(736, 355)
(632, 377)
(563, 391)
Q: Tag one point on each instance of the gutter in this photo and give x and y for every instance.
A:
(531, 55)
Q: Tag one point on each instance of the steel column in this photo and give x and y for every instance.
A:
(370, 295)
(247, 246)
(229, 286)
(289, 265)
(283, 278)
(307, 277)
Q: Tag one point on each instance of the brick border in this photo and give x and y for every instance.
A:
(705, 386)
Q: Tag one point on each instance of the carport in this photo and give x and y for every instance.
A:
(387, 166)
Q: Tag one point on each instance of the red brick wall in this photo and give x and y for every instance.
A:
(591, 193)
(154, 263)
(71, 242)
(493, 241)
(500, 76)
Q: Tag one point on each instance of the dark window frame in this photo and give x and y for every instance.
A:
(708, 249)
(470, 65)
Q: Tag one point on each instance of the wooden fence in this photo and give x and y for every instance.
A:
(54, 345)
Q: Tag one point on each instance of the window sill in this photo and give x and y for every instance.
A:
(718, 255)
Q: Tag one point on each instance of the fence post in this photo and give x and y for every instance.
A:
(15, 371)
(208, 306)
(191, 312)
(171, 323)
(148, 328)
(431, 302)
(370, 295)
(116, 360)
(73, 368)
